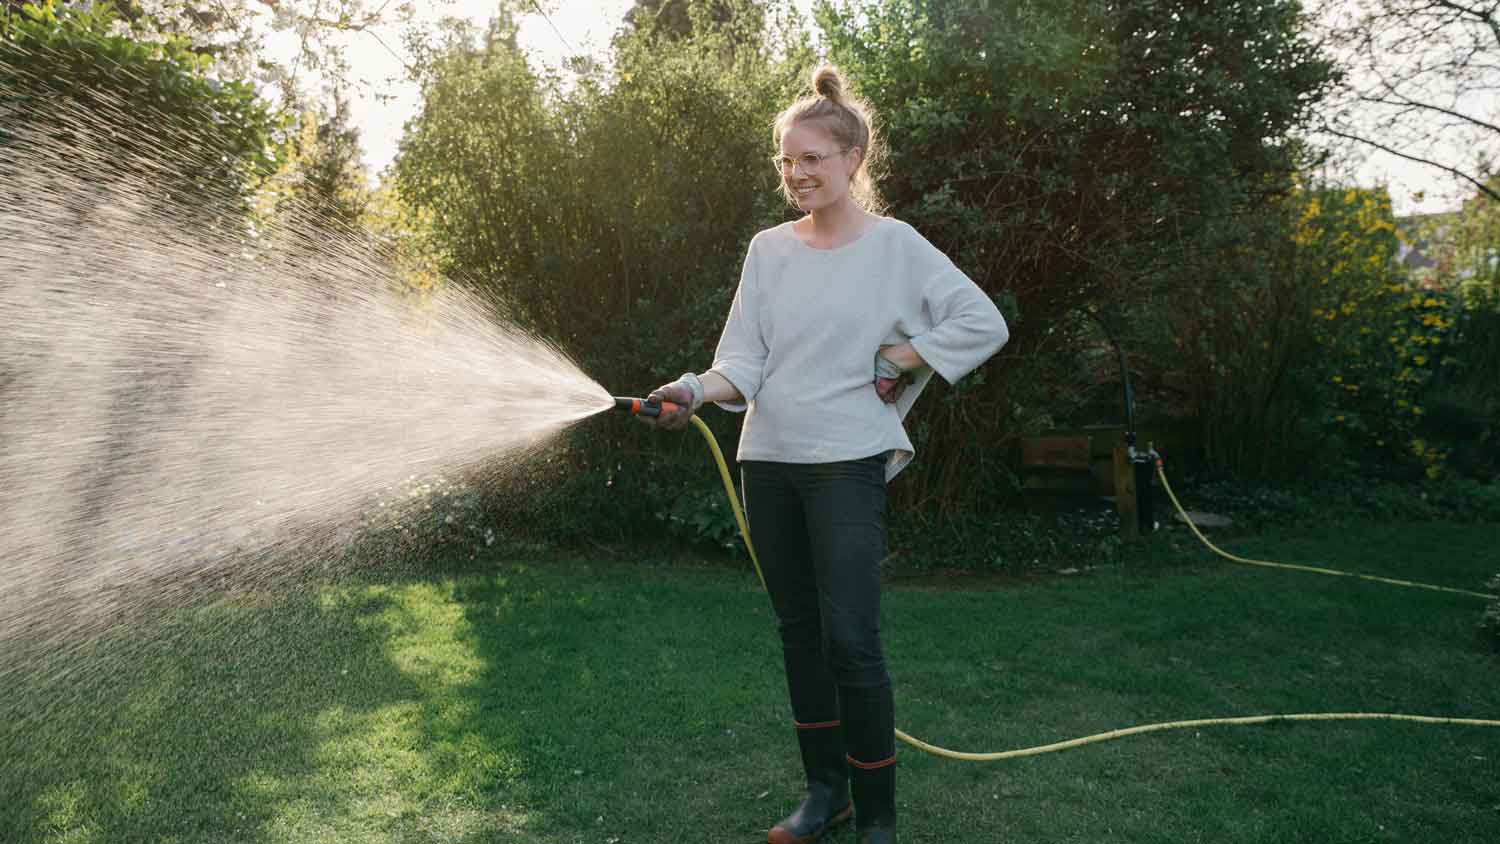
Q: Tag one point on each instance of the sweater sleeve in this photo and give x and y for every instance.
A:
(966, 330)
(741, 355)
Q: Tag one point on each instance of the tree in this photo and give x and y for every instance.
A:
(145, 110)
(595, 207)
(326, 164)
(1071, 158)
(610, 215)
(676, 18)
(1475, 245)
(232, 32)
(1421, 81)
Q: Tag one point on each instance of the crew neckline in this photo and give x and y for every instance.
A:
(792, 231)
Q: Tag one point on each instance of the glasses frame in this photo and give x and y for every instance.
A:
(787, 165)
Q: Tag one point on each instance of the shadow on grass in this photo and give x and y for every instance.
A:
(213, 730)
(524, 703)
(636, 706)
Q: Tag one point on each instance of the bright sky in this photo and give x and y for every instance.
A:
(587, 26)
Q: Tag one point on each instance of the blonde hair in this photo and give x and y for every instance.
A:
(845, 117)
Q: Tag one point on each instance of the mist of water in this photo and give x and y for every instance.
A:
(179, 402)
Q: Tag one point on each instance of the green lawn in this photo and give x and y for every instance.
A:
(609, 702)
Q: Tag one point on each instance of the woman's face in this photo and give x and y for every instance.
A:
(814, 167)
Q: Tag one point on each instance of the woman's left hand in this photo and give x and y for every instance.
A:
(890, 389)
(890, 378)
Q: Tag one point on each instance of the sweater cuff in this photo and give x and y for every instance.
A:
(951, 371)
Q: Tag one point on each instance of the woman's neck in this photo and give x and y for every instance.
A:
(836, 224)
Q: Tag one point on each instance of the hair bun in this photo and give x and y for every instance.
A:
(828, 82)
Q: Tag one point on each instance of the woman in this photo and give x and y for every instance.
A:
(839, 321)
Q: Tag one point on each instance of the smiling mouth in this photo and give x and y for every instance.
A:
(804, 191)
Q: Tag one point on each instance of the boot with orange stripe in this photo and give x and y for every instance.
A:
(874, 786)
(827, 804)
(869, 717)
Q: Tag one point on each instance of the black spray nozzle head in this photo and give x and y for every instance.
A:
(641, 407)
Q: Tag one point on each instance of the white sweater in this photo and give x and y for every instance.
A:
(805, 325)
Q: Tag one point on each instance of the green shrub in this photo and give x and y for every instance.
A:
(1265, 327)
(699, 514)
(1463, 402)
(1064, 154)
(1351, 496)
(1012, 541)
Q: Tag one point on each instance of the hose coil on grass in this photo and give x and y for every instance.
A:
(927, 747)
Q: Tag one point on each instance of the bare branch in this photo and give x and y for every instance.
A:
(1408, 103)
(1481, 186)
(1488, 18)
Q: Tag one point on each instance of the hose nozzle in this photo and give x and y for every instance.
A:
(642, 407)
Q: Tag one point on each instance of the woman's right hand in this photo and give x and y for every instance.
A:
(680, 395)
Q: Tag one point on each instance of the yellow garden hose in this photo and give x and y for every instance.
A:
(1162, 476)
(739, 516)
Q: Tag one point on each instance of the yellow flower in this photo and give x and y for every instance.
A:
(1338, 379)
(1433, 472)
(1429, 302)
(1416, 410)
(1419, 360)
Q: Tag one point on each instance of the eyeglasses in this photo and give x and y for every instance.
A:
(807, 162)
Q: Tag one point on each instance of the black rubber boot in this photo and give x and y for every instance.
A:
(874, 786)
(869, 716)
(827, 803)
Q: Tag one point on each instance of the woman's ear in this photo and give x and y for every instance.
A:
(859, 156)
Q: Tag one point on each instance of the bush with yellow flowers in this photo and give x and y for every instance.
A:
(1399, 349)
(1413, 386)
(1261, 331)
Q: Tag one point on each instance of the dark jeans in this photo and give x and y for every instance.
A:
(819, 532)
